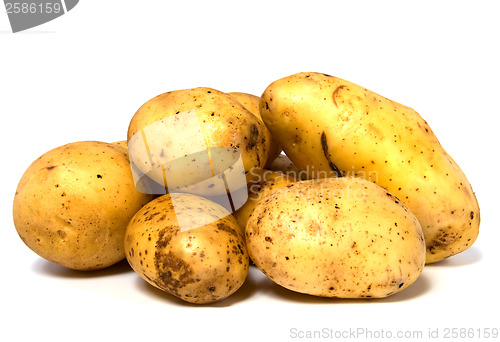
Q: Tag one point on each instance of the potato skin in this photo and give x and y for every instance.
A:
(336, 237)
(326, 124)
(224, 122)
(201, 265)
(72, 204)
(122, 143)
(283, 164)
(266, 181)
(251, 102)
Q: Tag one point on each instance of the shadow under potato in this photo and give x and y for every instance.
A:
(467, 257)
(243, 293)
(418, 288)
(48, 268)
(257, 283)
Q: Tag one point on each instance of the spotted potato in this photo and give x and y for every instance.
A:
(200, 265)
(336, 237)
(72, 204)
(224, 122)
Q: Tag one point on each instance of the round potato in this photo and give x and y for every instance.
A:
(266, 181)
(72, 204)
(336, 237)
(251, 102)
(176, 141)
(203, 261)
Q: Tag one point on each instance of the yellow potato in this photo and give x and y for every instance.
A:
(283, 164)
(266, 181)
(251, 102)
(199, 265)
(336, 237)
(327, 126)
(219, 121)
(72, 204)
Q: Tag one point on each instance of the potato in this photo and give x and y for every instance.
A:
(267, 181)
(199, 265)
(176, 153)
(72, 204)
(283, 164)
(328, 125)
(251, 102)
(336, 237)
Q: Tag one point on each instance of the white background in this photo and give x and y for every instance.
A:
(83, 76)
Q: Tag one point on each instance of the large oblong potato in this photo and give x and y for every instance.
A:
(199, 265)
(329, 125)
(72, 204)
(336, 237)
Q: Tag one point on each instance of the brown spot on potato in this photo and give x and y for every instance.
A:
(334, 95)
(324, 146)
(254, 137)
(223, 226)
(173, 272)
(164, 237)
(445, 237)
(150, 217)
(51, 167)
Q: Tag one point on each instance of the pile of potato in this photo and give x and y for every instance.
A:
(364, 197)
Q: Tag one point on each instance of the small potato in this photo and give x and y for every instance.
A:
(283, 164)
(251, 102)
(336, 237)
(200, 265)
(266, 181)
(72, 204)
(179, 156)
